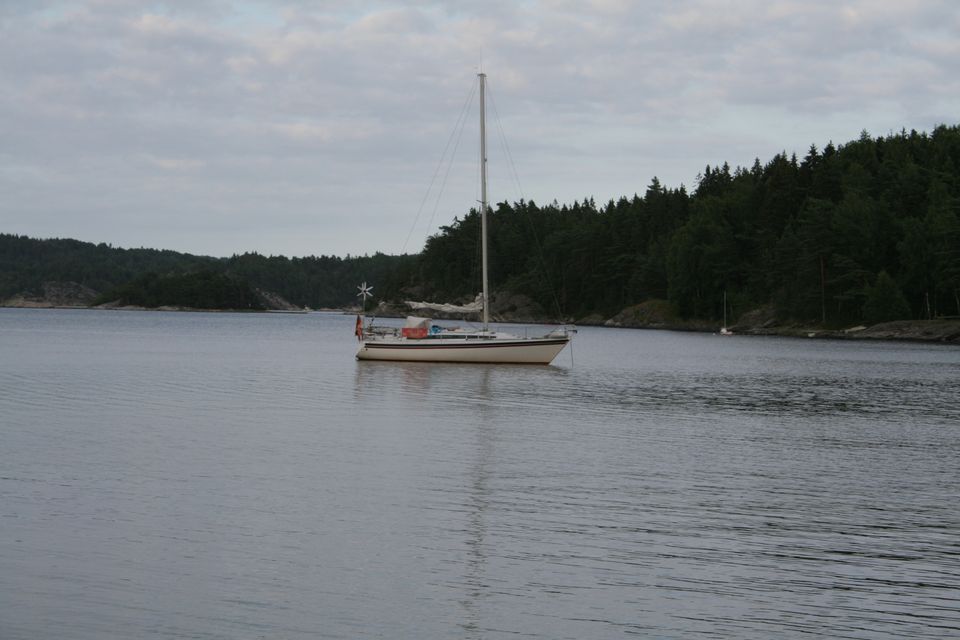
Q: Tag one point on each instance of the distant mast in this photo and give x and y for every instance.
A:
(483, 200)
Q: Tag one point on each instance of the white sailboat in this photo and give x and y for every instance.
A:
(422, 341)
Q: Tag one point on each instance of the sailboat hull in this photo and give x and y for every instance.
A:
(520, 351)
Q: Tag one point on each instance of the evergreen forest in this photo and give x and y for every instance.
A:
(151, 278)
(859, 232)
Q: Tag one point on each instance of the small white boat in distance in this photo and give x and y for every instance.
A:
(422, 341)
(724, 331)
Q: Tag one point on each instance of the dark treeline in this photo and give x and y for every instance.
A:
(864, 231)
(148, 277)
(324, 282)
(203, 289)
(26, 263)
(861, 232)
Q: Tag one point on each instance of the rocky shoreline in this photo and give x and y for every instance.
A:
(660, 314)
(657, 314)
(511, 308)
(937, 330)
(72, 295)
(54, 295)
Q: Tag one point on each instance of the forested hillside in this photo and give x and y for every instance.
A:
(26, 263)
(196, 290)
(864, 231)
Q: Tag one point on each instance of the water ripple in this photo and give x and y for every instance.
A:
(240, 475)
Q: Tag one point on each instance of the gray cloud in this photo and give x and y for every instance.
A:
(308, 127)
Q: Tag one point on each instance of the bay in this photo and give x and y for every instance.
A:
(220, 475)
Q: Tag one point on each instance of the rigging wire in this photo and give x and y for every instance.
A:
(529, 218)
(462, 127)
(455, 135)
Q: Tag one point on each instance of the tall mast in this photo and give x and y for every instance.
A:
(483, 200)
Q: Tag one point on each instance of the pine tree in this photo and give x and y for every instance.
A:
(885, 301)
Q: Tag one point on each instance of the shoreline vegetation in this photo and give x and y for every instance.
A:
(851, 240)
(656, 314)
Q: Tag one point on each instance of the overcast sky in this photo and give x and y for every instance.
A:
(298, 128)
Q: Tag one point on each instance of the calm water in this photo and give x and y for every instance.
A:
(174, 475)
